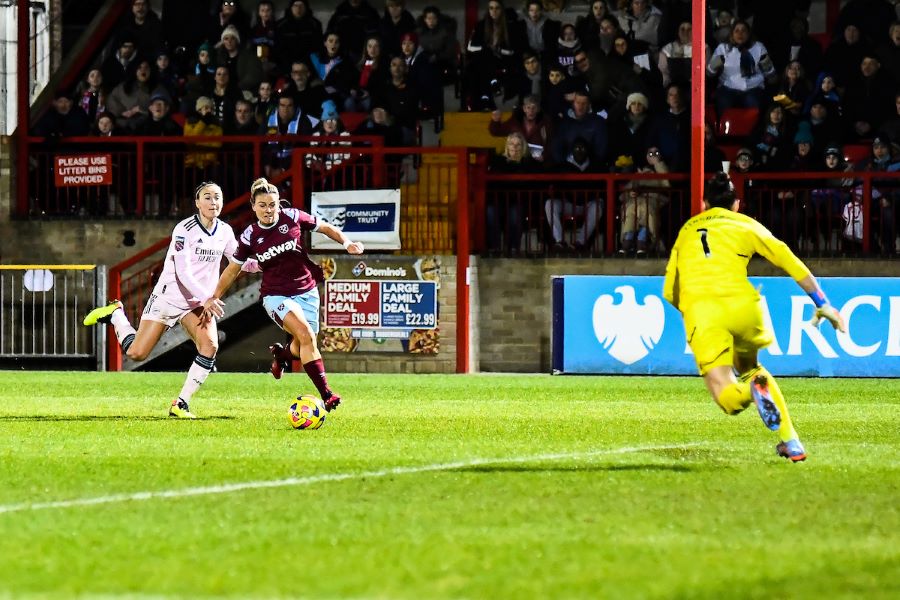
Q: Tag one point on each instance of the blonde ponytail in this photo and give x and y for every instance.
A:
(262, 186)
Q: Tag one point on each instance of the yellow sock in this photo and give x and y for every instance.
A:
(786, 431)
(735, 398)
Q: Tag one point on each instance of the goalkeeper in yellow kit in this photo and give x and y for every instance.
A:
(706, 279)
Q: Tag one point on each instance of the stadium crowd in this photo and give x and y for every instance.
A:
(608, 92)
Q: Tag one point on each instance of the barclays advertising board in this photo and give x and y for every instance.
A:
(607, 324)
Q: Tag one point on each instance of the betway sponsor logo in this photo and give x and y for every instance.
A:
(276, 250)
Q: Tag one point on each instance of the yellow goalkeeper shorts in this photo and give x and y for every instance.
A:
(717, 329)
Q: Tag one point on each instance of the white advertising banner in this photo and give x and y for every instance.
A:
(368, 216)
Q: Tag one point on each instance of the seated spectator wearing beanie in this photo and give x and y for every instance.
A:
(62, 120)
(629, 132)
(118, 65)
(330, 125)
(158, 122)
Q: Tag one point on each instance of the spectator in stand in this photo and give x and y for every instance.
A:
(629, 132)
(671, 131)
(353, 20)
(563, 50)
(743, 67)
(825, 91)
(891, 127)
(330, 125)
(144, 27)
(129, 100)
(713, 158)
(868, 102)
(884, 158)
(158, 122)
(262, 34)
(401, 100)
(535, 127)
(798, 46)
(285, 120)
(580, 122)
(784, 215)
(843, 56)
(556, 89)
(61, 120)
(640, 22)
(229, 14)
(794, 89)
(647, 78)
(297, 35)
(588, 210)
(245, 68)
(719, 31)
(609, 31)
(675, 57)
(201, 159)
(308, 94)
(117, 66)
(507, 218)
(334, 69)
(640, 206)
(889, 52)
(602, 79)
(541, 32)
(223, 95)
(266, 102)
(423, 77)
(437, 38)
(165, 75)
(827, 201)
(373, 72)
(381, 123)
(90, 95)
(396, 22)
(104, 126)
(588, 26)
(492, 54)
(870, 16)
(530, 80)
(772, 138)
(745, 164)
(243, 122)
(824, 127)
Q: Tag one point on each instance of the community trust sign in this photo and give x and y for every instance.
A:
(83, 169)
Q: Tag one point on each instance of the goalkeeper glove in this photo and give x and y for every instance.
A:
(831, 314)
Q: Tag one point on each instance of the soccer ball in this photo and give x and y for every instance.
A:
(308, 412)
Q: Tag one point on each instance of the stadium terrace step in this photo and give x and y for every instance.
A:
(470, 129)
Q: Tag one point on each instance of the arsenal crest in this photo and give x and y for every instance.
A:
(179, 243)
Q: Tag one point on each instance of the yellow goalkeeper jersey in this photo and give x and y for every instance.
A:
(709, 258)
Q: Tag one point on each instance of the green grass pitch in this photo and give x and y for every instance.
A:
(483, 486)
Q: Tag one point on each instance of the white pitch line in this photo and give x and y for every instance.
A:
(326, 477)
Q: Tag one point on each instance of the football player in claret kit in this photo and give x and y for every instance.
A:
(706, 279)
(189, 275)
(289, 279)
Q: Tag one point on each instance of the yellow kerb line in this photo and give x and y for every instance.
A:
(50, 267)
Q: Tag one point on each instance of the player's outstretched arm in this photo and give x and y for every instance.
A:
(824, 310)
(337, 235)
(214, 306)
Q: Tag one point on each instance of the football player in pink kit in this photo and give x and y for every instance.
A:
(289, 279)
(189, 275)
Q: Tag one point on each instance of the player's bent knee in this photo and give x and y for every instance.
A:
(137, 354)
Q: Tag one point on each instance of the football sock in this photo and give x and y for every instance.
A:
(786, 431)
(197, 374)
(315, 369)
(735, 398)
(124, 330)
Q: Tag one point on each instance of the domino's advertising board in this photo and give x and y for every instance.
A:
(622, 325)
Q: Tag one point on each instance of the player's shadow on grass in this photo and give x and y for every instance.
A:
(57, 418)
(575, 468)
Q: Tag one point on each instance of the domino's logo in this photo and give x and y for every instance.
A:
(359, 269)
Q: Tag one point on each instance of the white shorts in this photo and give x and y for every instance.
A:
(160, 307)
(306, 305)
